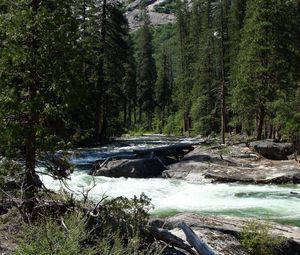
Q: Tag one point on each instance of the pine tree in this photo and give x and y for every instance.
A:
(104, 41)
(236, 23)
(205, 110)
(38, 71)
(146, 72)
(263, 65)
(129, 86)
(184, 79)
(163, 88)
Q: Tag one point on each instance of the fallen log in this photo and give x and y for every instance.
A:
(170, 239)
(201, 247)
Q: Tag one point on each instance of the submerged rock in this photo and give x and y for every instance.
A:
(271, 150)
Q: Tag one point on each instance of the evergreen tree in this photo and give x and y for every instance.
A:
(184, 78)
(129, 86)
(236, 23)
(263, 65)
(104, 41)
(205, 110)
(38, 71)
(146, 72)
(164, 87)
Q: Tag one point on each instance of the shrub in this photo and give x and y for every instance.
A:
(114, 228)
(257, 239)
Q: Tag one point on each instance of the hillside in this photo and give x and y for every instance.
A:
(160, 12)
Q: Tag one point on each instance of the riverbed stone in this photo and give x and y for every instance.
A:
(222, 233)
(238, 164)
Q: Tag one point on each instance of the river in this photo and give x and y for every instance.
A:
(279, 203)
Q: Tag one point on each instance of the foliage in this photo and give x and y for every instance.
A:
(127, 215)
(146, 73)
(257, 239)
(51, 238)
(115, 230)
(264, 65)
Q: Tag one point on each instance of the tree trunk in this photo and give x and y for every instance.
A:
(125, 113)
(104, 125)
(261, 118)
(33, 117)
(129, 114)
(270, 131)
(223, 106)
(200, 246)
(170, 239)
(97, 116)
(140, 113)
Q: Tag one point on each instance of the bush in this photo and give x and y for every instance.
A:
(51, 238)
(257, 239)
(114, 228)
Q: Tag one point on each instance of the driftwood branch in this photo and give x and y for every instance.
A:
(201, 247)
(167, 237)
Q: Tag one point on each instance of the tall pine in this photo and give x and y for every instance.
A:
(263, 67)
(146, 73)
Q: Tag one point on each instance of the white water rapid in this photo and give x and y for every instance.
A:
(275, 202)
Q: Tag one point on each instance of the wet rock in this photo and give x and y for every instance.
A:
(272, 150)
(141, 163)
(136, 168)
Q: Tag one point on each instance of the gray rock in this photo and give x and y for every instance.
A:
(271, 150)
(238, 165)
(136, 168)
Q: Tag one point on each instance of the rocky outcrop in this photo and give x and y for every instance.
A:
(136, 168)
(239, 165)
(141, 163)
(222, 233)
(134, 14)
(272, 150)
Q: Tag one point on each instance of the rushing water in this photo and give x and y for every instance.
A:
(275, 202)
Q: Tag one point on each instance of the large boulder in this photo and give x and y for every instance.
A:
(133, 168)
(272, 150)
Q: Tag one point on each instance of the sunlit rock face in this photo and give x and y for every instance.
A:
(159, 14)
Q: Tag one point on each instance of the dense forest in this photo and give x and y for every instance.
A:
(72, 72)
